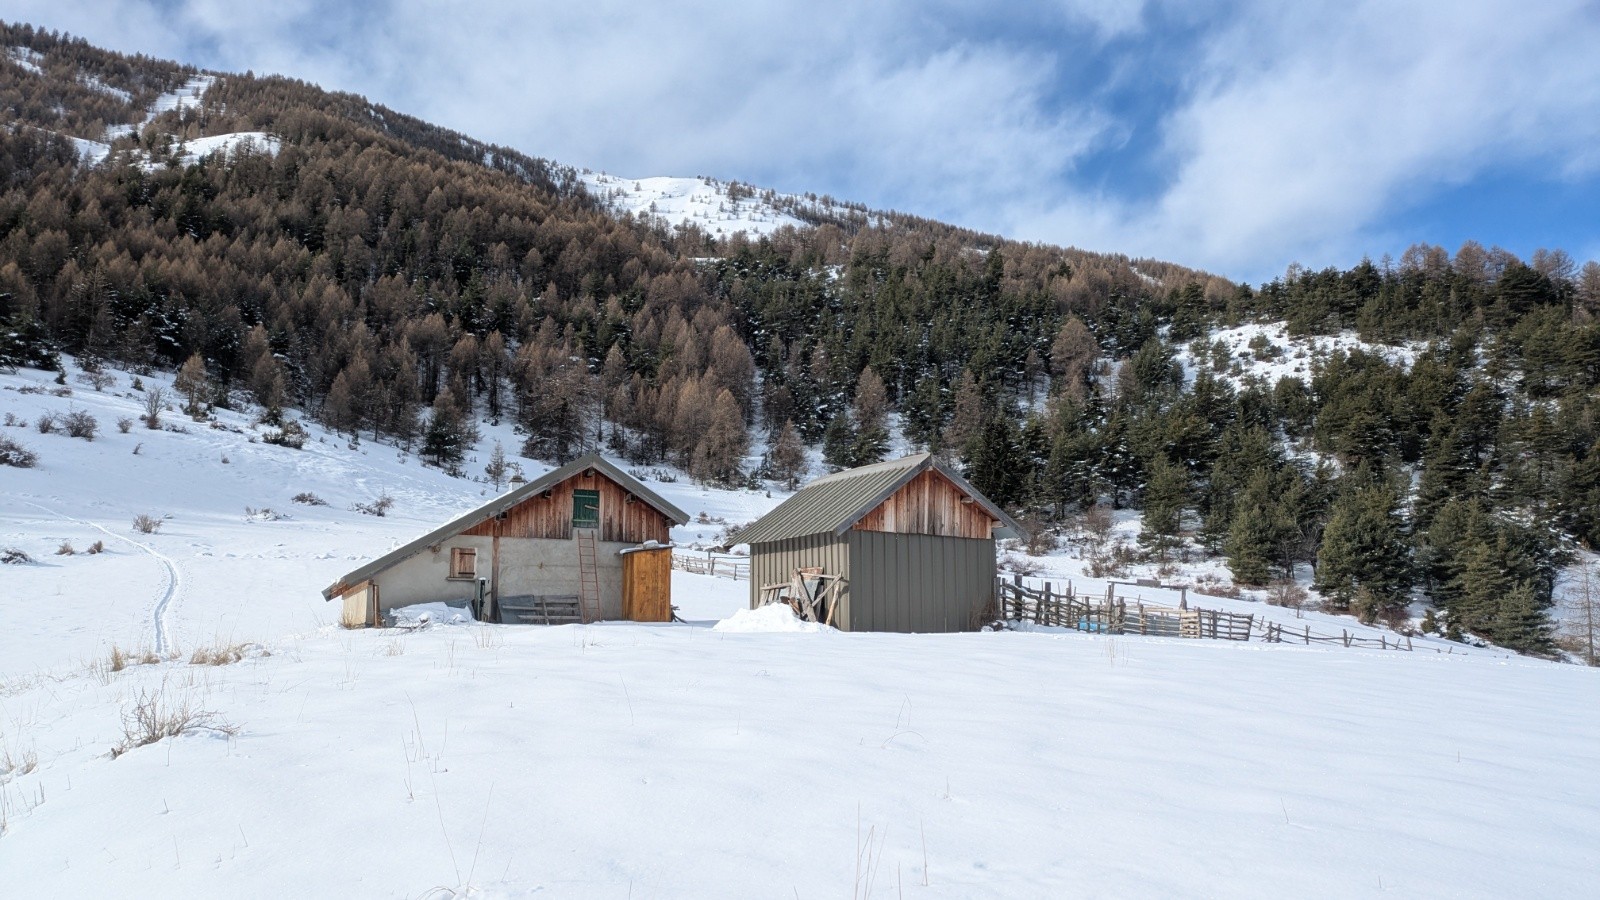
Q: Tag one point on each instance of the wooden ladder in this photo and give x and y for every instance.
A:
(588, 575)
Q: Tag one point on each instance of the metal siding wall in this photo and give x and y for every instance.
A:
(775, 562)
(915, 582)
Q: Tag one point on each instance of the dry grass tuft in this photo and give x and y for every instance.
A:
(218, 656)
(155, 714)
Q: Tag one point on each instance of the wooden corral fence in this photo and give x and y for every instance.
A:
(724, 566)
(1274, 633)
(1111, 614)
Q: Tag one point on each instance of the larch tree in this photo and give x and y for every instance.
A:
(787, 459)
(870, 412)
(719, 455)
(194, 384)
(1072, 357)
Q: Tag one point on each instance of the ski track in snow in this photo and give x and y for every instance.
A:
(162, 631)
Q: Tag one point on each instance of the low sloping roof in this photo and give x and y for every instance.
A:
(500, 504)
(834, 503)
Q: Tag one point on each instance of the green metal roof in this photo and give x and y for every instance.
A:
(834, 503)
(500, 504)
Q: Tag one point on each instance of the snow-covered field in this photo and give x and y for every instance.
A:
(751, 759)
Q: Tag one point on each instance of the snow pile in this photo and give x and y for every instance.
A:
(774, 618)
(422, 615)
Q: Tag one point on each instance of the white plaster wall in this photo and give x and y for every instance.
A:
(537, 566)
(527, 566)
(424, 577)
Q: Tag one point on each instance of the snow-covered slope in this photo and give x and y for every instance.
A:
(682, 761)
(240, 577)
(186, 153)
(189, 95)
(1266, 351)
(719, 208)
(705, 202)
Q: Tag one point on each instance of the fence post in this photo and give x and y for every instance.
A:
(1045, 605)
(1346, 636)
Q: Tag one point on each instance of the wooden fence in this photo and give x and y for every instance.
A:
(1111, 614)
(710, 564)
(1275, 633)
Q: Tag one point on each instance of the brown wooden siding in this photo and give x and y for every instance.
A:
(550, 516)
(929, 504)
(647, 585)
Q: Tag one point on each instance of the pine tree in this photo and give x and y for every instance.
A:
(1477, 587)
(450, 433)
(1520, 621)
(838, 442)
(1255, 531)
(24, 343)
(497, 469)
(1364, 546)
(992, 463)
(1166, 495)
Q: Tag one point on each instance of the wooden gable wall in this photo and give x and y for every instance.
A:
(550, 517)
(929, 504)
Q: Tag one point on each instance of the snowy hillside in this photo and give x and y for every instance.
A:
(1267, 352)
(718, 208)
(679, 760)
(188, 96)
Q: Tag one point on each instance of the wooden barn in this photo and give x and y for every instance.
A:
(906, 545)
(569, 546)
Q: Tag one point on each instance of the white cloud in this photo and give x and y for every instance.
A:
(1309, 127)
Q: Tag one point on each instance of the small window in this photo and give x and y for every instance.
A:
(463, 563)
(585, 509)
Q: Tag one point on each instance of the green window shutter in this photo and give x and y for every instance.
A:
(585, 509)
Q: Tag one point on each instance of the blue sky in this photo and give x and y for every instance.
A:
(1237, 137)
